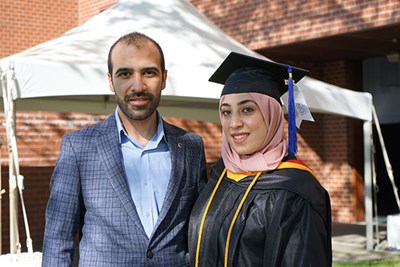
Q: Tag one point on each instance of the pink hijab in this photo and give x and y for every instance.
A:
(274, 147)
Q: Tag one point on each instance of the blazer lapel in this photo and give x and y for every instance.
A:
(177, 150)
(110, 156)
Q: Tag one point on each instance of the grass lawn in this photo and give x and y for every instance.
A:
(393, 262)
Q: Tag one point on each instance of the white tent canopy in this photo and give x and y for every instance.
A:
(75, 64)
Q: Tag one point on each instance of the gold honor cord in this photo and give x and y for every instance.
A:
(233, 220)
(228, 238)
(204, 217)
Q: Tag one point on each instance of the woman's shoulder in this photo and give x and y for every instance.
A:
(217, 169)
(292, 176)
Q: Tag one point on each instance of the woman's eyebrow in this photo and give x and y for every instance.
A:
(245, 102)
(239, 103)
(225, 105)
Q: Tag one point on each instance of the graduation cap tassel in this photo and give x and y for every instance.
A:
(291, 116)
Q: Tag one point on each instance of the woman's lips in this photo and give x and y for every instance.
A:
(239, 137)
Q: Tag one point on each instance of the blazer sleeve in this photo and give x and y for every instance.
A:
(202, 169)
(64, 209)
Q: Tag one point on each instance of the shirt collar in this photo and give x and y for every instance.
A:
(155, 140)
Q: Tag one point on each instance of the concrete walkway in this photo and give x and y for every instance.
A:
(349, 244)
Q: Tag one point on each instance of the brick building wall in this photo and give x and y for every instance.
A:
(325, 147)
(90, 8)
(27, 23)
(259, 24)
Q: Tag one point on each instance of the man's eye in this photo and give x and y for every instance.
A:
(124, 74)
(150, 73)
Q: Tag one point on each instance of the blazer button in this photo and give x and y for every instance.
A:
(149, 254)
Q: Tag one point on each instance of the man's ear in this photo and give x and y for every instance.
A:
(110, 82)
(165, 75)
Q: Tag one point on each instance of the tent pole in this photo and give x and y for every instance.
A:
(15, 245)
(9, 115)
(374, 203)
(368, 184)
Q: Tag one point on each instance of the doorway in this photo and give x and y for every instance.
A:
(386, 202)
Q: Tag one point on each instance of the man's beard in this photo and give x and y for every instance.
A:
(141, 113)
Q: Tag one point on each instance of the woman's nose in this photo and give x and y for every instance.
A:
(235, 122)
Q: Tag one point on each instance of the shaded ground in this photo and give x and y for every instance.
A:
(349, 244)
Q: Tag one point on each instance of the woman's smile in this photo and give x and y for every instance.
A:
(240, 137)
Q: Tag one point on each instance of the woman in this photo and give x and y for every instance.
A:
(261, 206)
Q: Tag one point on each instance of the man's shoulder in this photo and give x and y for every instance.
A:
(93, 129)
(171, 129)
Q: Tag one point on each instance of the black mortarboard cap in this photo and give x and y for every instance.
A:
(245, 74)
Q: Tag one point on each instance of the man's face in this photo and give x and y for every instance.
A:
(137, 79)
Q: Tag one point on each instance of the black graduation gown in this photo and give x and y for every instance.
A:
(285, 221)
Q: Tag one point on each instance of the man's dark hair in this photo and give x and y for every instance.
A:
(136, 39)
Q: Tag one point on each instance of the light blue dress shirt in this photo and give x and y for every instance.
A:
(148, 172)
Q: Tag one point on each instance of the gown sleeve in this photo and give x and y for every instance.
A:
(298, 234)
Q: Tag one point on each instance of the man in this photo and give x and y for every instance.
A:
(126, 184)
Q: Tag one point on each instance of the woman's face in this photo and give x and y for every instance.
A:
(242, 122)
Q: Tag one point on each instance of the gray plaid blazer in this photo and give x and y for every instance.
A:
(89, 195)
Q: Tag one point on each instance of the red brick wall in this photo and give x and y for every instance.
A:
(259, 24)
(327, 146)
(26, 23)
(347, 209)
(39, 135)
(324, 147)
(90, 8)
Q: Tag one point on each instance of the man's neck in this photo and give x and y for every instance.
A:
(140, 130)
